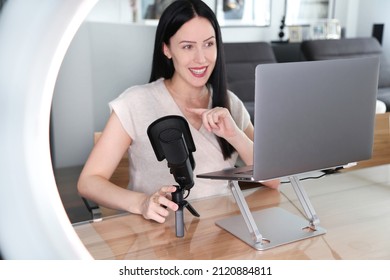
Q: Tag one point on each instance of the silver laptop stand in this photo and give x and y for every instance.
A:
(278, 226)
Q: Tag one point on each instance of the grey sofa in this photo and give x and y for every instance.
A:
(241, 60)
(352, 47)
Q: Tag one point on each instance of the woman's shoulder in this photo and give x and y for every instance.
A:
(142, 90)
(238, 110)
(234, 99)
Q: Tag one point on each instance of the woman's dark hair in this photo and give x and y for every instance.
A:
(172, 19)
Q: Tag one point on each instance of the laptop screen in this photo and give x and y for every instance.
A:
(313, 115)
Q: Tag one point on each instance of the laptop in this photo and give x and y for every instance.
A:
(310, 116)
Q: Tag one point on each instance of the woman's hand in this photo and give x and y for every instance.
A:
(217, 120)
(272, 184)
(155, 207)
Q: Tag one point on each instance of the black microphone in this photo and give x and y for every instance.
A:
(171, 139)
(178, 157)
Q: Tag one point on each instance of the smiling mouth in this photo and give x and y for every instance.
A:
(198, 71)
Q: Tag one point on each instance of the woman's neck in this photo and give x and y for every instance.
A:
(197, 97)
(186, 97)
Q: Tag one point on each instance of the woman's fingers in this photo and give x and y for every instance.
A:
(202, 113)
(212, 119)
(157, 205)
(162, 200)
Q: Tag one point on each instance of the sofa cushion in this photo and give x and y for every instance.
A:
(343, 48)
(384, 95)
(348, 48)
(384, 75)
(241, 60)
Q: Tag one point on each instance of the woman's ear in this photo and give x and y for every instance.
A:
(166, 51)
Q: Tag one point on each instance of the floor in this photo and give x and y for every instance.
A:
(66, 179)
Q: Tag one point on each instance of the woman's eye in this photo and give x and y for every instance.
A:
(187, 47)
(209, 44)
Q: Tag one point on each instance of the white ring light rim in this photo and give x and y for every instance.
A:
(34, 36)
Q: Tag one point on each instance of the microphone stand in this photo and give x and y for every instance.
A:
(177, 197)
(171, 139)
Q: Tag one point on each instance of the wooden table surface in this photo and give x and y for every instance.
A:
(353, 206)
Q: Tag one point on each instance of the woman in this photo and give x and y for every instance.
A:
(187, 79)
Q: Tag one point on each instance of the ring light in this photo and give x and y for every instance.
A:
(34, 37)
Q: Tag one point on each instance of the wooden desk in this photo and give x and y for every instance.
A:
(381, 145)
(354, 208)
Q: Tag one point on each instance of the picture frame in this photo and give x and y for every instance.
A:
(333, 29)
(318, 30)
(149, 11)
(326, 29)
(306, 12)
(243, 12)
(295, 33)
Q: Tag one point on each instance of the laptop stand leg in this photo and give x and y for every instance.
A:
(246, 213)
(278, 225)
(305, 202)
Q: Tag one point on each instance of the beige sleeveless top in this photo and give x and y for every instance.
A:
(137, 108)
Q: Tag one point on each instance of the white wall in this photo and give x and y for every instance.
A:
(102, 61)
(119, 11)
(374, 11)
(72, 114)
(109, 54)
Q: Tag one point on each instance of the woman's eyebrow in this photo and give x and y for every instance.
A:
(187, 41)
(211, 37)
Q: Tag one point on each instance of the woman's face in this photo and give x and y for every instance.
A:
(193, 50)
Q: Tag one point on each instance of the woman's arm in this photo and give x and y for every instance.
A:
(94, 181)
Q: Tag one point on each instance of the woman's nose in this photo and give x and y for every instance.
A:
(200, 56)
